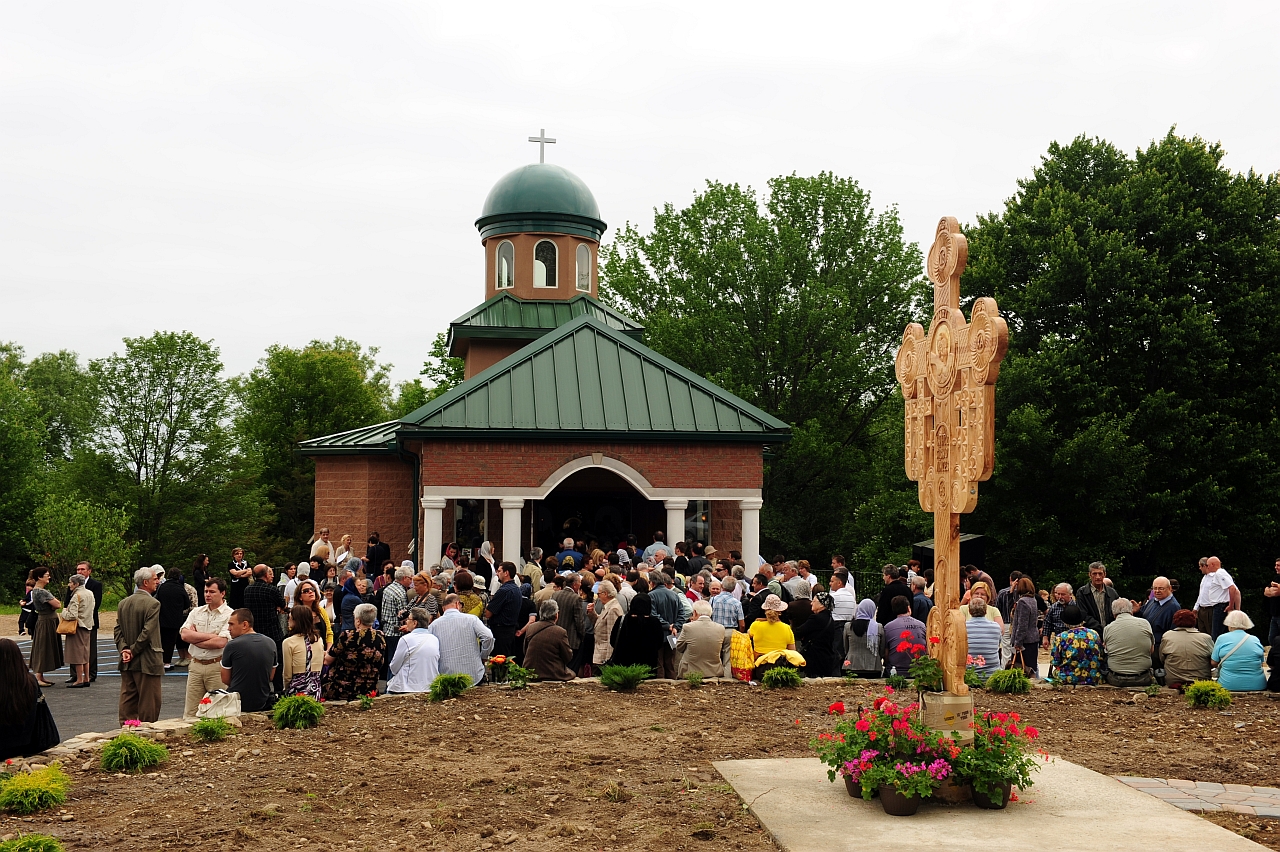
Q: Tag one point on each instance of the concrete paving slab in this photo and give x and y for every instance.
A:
(805, 813)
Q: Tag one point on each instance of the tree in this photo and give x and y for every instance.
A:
(1137, 410)
(797, 305)
(64, 392)
(297, 394)
(166, 450)
(21, 438)
(68, 531)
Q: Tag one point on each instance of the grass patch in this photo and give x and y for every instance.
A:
(449, 686)
(1209, 694)
(694, 679)
(624, 678)
(616, 793)
(297, 711)
(32, 843)
(781, 678)
(132, 753)
(212, 730)
(1009, 681)
(27, 792)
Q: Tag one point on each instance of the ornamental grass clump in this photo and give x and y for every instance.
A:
(212, 730)
(32, 843)
(1003, 752)
(1209, 694)
(886, 745)
(27, 792)
(449, 686)
(624, 678)
(1013, 681)
(132, 753)
(297, 711)
(782, 677)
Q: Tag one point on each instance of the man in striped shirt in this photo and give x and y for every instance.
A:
(464, 641)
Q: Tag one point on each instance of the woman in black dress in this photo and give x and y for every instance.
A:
(640, 635)
(816, 637)
(46, 644)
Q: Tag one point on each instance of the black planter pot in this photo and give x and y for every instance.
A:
(896, 804)
(982, 800)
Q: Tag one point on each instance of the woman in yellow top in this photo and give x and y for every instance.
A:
(468, 601)
(309, 596)
(771, 633)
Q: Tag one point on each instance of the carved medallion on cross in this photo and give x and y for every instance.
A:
(948, 381)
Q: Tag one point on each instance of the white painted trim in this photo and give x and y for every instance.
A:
(577, 267)
(497, 266)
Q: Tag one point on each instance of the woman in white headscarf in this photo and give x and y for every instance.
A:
(484, 566)
(862, 641)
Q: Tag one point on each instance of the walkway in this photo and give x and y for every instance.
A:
(1209, 796)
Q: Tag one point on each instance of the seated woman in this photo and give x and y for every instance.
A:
(355, 659)
(862, 641)
(984, 638)
(817, 636)
(1185, 651)
(19, 707)
(774, 641)
(1238, 655)
(639, 635)
(1077, 651)
(546, 645)
(982, 589)
(417, 659)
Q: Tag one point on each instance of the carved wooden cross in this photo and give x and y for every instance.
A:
(948, 380)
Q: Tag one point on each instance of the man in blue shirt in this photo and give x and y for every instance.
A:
(566, 549)
(503, 612)
(1158, 611)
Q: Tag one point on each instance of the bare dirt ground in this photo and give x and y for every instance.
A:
(557, 766)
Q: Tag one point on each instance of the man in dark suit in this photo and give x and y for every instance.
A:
(377, 552)
(894, 587)
(84, 569)
(1094, 598)
(137, 636)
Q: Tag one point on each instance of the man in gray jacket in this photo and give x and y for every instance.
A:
(669, 609)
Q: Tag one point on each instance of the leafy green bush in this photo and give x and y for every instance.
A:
(897, 681)
(1153, 690)
(624, 678)
(27, 792)
(518, 676)
(32, 843)
(132, 753)
(694, 679)
(212, 730)
(782, 677)
(297, 711)
(974, 679)
(449, 686)
(1010, 681)
(1210, 694)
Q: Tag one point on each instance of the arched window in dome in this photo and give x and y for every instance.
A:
(505, 267)
(544, 264)
(584, 268)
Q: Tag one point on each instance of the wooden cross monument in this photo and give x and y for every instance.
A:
(948, 379)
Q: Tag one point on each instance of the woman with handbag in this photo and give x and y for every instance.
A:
(1024, 621)
(75, 624)
(1238, 656)
(26, 725)
(302, 654)
(46, 645)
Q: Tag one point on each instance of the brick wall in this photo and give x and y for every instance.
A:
(528, 464)
(358, 495)
(726, 526)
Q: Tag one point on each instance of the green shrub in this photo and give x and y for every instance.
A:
(449, 686)
(1210, 694)
(781, 677)
(1009, 680)
(27, 792)
(132, 753)
(518, 676)
(974, 679)
(32, 843)
(624, 678)
(897, 681)
(212, 730)
(297, 711)
(694, 679)
(1153, 690)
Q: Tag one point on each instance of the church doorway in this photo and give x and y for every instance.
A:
(594, 504)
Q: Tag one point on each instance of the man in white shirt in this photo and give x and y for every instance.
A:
(464, 641)
(1219, 595)
(205, 630)
(844, 604)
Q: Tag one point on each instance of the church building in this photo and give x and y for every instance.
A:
(566, 424)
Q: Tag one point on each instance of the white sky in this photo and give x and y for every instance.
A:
(277, 172)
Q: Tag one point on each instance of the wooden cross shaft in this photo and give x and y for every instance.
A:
(948, 381)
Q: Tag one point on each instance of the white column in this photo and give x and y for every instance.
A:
(432, 530)
(751, 534)
(511, 507)
(675, 521)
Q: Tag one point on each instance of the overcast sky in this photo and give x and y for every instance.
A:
(260, 173)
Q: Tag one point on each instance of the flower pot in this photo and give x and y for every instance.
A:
(896, 804)
(853, 788)
(954, 791)
(982, 800)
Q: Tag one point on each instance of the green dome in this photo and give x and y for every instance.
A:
(541, 197)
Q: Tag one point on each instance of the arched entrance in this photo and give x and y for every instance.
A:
(594, 504)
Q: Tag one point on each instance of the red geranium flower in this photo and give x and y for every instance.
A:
(836, 709)
(935, 640)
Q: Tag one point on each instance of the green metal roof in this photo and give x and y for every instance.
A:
(507, 316)
(586, 379)
(541, 197)
(377, 439)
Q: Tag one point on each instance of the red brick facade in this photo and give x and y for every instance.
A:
(358, 495)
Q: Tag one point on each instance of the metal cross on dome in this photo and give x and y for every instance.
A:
(948, 381)
(543, 142)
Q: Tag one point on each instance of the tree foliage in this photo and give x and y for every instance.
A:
(67, 531)
(797, 305)
(1137, 409)
(21, 443)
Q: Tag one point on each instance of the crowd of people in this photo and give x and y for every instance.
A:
(335, 626)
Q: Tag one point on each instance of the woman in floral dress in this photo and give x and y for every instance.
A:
(1076, 651)
(356, 658)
